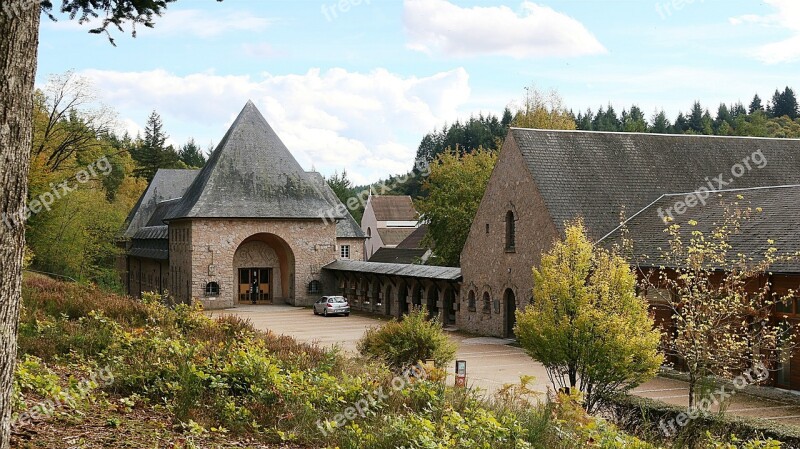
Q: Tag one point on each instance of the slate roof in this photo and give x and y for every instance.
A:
(393, 208)
(398, 255)
(397, 269)
(393, 236)
(778, 220)
(160, 212)
(166, 184)
(150, 242)
(414, 240)
(251, 174)
(595, 174)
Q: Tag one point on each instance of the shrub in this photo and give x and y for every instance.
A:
(643, 417)
(404, 343)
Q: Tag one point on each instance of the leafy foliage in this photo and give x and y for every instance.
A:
(721, 303)
(455, 188)
(586, 325)
(404, 343)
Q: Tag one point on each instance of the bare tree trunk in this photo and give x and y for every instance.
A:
(19, 39)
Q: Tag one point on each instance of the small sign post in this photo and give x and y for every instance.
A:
(461, 373)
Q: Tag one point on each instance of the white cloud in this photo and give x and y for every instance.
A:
(438, 26)
(786, 17)
(369, 123)
(191, 22)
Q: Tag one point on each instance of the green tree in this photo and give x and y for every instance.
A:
(755, 105)
(454, 189)
(191, 155)
(151, 154)
(19, 41)
(661, 123)
(587, 325)
(634, 121)
(784, 103)
(543, 110)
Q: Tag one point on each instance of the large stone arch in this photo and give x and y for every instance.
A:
(265, 250)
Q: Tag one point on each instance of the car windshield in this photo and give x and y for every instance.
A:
(337, 300)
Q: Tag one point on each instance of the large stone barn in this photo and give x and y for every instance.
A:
(251, 226)
(544, 178)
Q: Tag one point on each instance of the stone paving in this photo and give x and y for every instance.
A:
(491, 362)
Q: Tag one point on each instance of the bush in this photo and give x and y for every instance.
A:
(642, 417)
(404, 343)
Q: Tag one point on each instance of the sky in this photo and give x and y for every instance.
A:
(356, 84)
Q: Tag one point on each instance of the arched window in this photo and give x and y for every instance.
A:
(471, 301)
(212, 289)
(487, 303)
(510, 231)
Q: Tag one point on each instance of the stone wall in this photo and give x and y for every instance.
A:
(213, 242)
(486, 265)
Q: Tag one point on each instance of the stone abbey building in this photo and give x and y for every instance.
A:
(252, 225)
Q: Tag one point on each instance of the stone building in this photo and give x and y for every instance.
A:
(387, 221)
(544, 178)
(252, 225)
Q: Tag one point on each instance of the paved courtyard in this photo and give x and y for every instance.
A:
(491, 362)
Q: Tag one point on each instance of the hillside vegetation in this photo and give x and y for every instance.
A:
(100, 370)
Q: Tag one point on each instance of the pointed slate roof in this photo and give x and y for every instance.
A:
(595, 175)
(251, 174)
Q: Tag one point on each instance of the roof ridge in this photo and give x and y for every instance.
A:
(585, 131)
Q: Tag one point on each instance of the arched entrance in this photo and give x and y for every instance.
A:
(263, 270)
(510, 319)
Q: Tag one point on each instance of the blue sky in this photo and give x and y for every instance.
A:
(356, 83)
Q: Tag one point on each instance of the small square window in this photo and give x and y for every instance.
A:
(344, 251)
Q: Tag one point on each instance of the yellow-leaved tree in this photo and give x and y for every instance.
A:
(587, 325)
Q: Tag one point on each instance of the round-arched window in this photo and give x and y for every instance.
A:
(212, 289)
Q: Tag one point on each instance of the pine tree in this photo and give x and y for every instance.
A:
(191, 155)
(784, 104)
(151, 154)
(661, 123)
(755, 105)
(696, 118)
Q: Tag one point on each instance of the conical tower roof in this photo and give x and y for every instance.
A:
(251, 174)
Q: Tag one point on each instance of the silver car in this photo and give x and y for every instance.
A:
(332, 305)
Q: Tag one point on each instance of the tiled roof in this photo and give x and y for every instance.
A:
(393, 236)
(779, 220)
(251, 174)
(414, 240)
(397, 269)
(393, 208)
(398, 255)
(166, 184)
(595, 174)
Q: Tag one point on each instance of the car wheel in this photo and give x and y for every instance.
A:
(347, 314)
(314, 309)
(325, 312)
